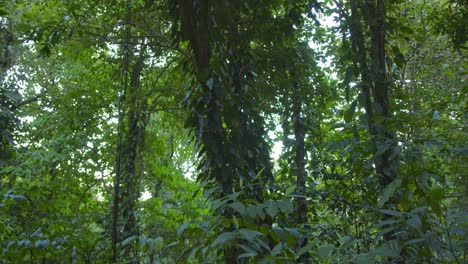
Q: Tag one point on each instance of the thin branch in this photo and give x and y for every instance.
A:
(161, 109)
(29, 100)
(160, 75)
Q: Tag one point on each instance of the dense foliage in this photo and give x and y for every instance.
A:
(257, 131)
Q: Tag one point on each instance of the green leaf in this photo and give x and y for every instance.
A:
(390, 249)
(437, 194)
(348, 114)
(345, 240)
(182, 229)
(293, 232)
(290, 190)
(414, 241)
(387, 222)
(365, 259)
(235, 221)
(307, 248)
(128, 240)
(248, 254)
(419, 210)
(239, 207)
(390, 212)
(415, 222)
(285, 206)
(389, 191)
(277, 249)
(223, 238)
(218, 204)
(209, 83)
(172, 244)
(193, 252)
(251, 211)
(406, 30)
(26, 243)
(325, 251)
(249, 234)
(271, 209)
(41, 243)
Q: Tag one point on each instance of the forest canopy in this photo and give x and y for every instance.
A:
(256, 131)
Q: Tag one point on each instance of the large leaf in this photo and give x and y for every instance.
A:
(223, 238)
(182, 228)
(285, 206)
(389, 191)
(128, 240)
(389, 249)
(239, 207)
(249, 234)
(271, 209)
(325, 251)
(277, 249)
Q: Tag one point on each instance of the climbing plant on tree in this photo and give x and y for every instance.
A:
(366, 97)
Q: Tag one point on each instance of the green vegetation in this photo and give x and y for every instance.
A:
(257, 131)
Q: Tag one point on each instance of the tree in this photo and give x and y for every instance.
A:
(232, 131)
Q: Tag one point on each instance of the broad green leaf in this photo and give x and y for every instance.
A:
(249, 234)
(389, 249)
(251, 211)
(26, 243)
(365, 259)
(271, 209)
(307, 248)
(41, 243)
(437, 194)
(277, 249)
(290, 190)
(292, 232)
(325, 251)
(285, 206)
(218, 204)
(345, 239)
(415, 222)
(223, 238)
(406, 30)
(389, 191)
(238, 206)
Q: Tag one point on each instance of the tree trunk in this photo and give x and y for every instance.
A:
(375, 90)
(299, 162)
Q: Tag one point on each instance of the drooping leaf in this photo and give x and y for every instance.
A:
(238, 206)
(182, 228)
(390, 212)
(223, 238)
(389, 191)
(129, 239)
